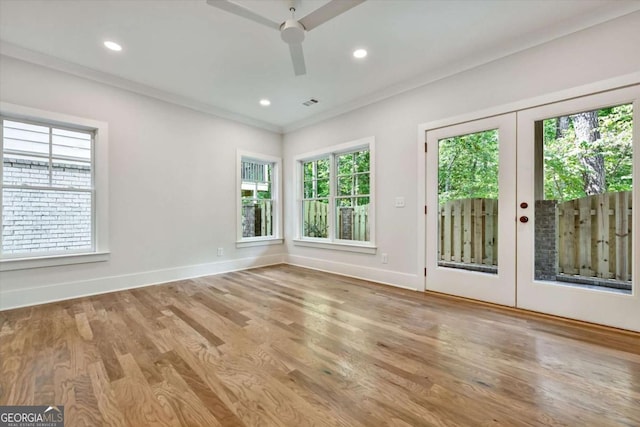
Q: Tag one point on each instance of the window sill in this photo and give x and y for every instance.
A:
(9, 264)
(248, 243)
(348, 247)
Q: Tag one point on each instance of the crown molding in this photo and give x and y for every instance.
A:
(567, 28)
(14, 51)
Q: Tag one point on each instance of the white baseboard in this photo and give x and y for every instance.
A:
(17, 298)
(385, 277)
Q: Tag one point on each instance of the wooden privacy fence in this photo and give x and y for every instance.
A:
(594, 236)
(469, 231)
(352, 222)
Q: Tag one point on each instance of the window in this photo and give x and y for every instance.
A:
(48, 202)
(258, 191)
(315, 200)
(336, 189)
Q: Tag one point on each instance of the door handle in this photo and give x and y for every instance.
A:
(524, 219)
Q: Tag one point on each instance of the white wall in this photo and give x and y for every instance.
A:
(172, 190)
(602, 52)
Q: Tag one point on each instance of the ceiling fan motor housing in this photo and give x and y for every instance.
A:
(292, 32)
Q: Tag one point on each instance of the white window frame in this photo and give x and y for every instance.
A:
(276, 192)
(100, 192)
(331, 242)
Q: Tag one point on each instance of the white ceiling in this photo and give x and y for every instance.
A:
(220, 62)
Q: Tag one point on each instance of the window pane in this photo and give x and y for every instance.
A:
(362, 184)
(67, 146)
(316, 169)
(269, 172)
(249, 171)
(10, 124)
(71, 174)
(24, 137)
(314, 218)
(468, 194)
(346, 186)
(584, 199)
(323, 168)
(352, 219)
(25, 146)
(257, 218)
(362, 161)
(256, 171)
(323, 188)
(308, 190)
(362, 201)
(345, 164)
(25, 170)
(307, 170)
(45, 221)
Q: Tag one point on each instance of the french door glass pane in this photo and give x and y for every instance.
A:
(468, 201)
(583, 188)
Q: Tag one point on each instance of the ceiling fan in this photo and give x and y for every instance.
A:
(291, 30)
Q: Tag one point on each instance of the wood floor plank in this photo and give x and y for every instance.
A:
(137, 400)
(104, 344)
(199, 359)
(200, 329)
(216, 406)
(176, 393)
(219, 306)
(105, 398)
(285, 346)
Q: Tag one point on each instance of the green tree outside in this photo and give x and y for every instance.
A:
(468, 164)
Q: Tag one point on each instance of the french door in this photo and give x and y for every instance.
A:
(471, 190)
(535, 209)
(578, 254)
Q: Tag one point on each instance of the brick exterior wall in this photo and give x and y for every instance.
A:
(251, 221)
(42, 221)
(546, 246)
(346, 223)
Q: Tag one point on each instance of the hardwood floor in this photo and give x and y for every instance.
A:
(285, 346)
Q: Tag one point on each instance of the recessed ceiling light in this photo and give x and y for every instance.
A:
(112, 46)
(359, 53)
(265, 102)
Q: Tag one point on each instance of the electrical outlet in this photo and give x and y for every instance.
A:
(220, 251)
(399, 203)
(385, 258)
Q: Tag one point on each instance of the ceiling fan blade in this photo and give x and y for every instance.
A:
(297, 57)
(327, 12)
(242, 11)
